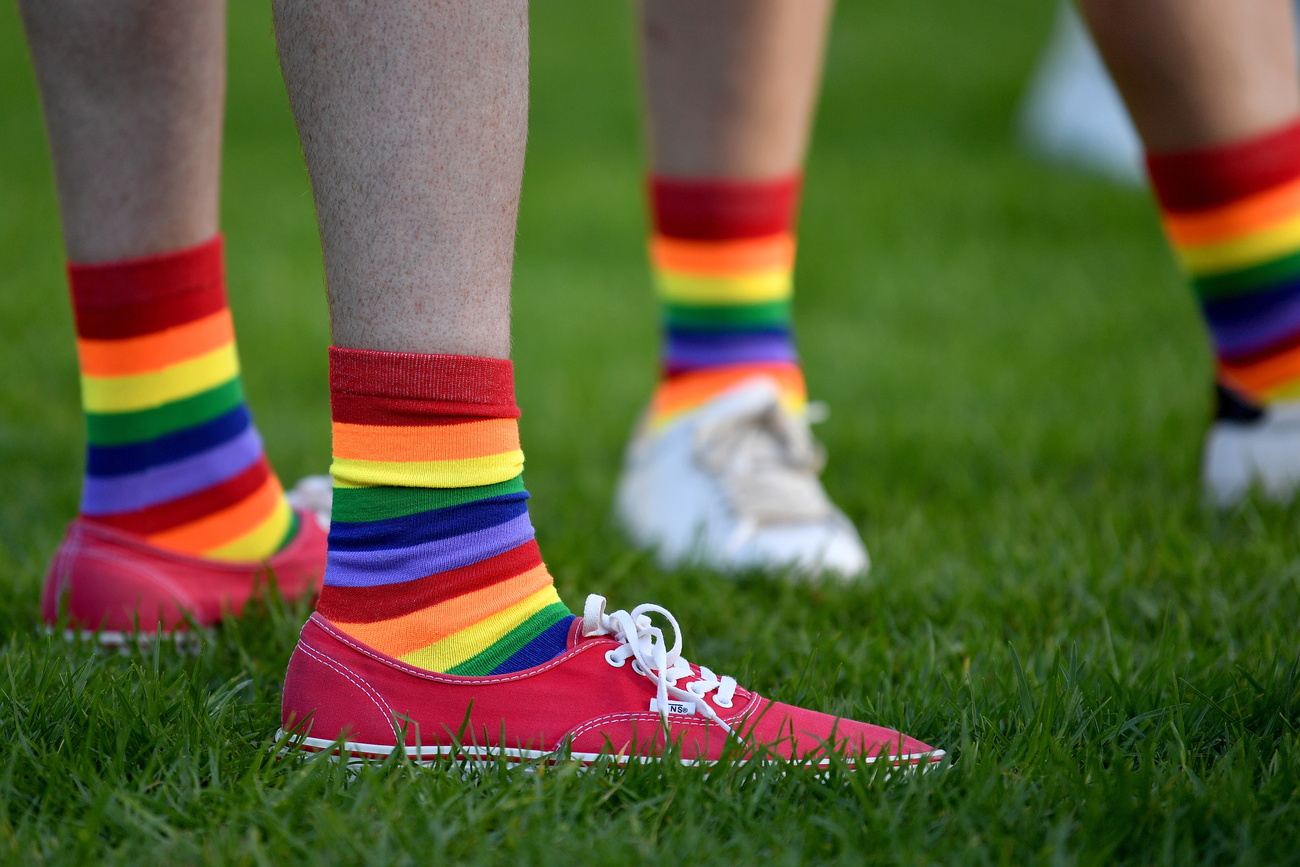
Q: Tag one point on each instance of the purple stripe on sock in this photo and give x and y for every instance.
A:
(136, 491)
(693, 351)
(395, 565)
(1249, 330)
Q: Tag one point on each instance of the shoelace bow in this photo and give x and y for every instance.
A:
(768, 462)
(644, 643)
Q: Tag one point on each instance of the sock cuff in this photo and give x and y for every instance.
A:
(134, 297)
(719, 209)
(1200, 178)
(376, 387)
(147, 278)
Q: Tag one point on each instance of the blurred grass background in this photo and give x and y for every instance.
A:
(1019, 386)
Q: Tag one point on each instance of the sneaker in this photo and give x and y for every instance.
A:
(111, 585)
(1072, 113)
(314, 495)
(1251, 446)
(734, 486)
(620, 692)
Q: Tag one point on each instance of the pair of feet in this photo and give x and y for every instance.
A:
(621, 688)
(734, 486)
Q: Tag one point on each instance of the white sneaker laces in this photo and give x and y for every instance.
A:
(644, 643)
(767, 463)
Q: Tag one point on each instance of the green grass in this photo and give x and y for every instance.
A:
(1019, 383)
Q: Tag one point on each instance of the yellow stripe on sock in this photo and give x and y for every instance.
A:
(455, 649)
(1289, 391)
(1253, 249)
(465, 473)
(408, 633)
(259, 543)
(740, 289)
(147, 390)
(795, 403)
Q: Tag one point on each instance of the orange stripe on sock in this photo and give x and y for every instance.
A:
(452, 442)
(723, 258)
(1252, 214)
(152, 352)
(1266, 375)
(402, 635)
(223, 527)
(689, 390)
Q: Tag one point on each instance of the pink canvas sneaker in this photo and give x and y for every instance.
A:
(113, 583)
(620, 691)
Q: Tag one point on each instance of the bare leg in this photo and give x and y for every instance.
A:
(412, 115)
(1200, 72)
(730, 90)
(133, 93)
(1213, 90)
(413, 119)
(731, 84)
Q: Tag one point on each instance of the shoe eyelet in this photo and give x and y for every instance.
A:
(691, 688)
(722, 704)
(614, 660)
(638, 668)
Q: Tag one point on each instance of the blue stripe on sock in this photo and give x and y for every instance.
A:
(422, 527)
(548, 644)
(133, 458)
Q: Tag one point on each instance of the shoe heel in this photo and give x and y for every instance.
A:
(325, 702)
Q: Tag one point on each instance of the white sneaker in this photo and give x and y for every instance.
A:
(1247, 447)
(314, 494)
(733, 485)
(1073, 114)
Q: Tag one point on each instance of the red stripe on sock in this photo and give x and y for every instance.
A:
(364, 409)
(176, 513)
(386, 601)
(134, 319)
(132, 297)
(1193, 180)
(717, 209)
(408, 384)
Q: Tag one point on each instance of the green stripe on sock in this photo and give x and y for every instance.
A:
(109, 429)
(512, 642)
(1248, 279)
(378, 503)
(739, 316)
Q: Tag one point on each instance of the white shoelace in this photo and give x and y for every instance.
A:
(644, 643)
(767, 463)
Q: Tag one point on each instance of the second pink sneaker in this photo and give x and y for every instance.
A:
(621, 691)
(113, 584)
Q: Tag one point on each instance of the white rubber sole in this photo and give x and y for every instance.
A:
(1265, 455)
(187, 640)
(356, 753)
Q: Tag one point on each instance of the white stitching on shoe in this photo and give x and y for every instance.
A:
(677, 722)
(656, 661)
(370, 692)
(585, 727)
(121, 540)
(438, 677)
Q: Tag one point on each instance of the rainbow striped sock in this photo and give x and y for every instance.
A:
(431, 552)
(1232, 213)
(172, 453)
(723, 261)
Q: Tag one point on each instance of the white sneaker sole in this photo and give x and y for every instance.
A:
(1264, 454)
(355, 754)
